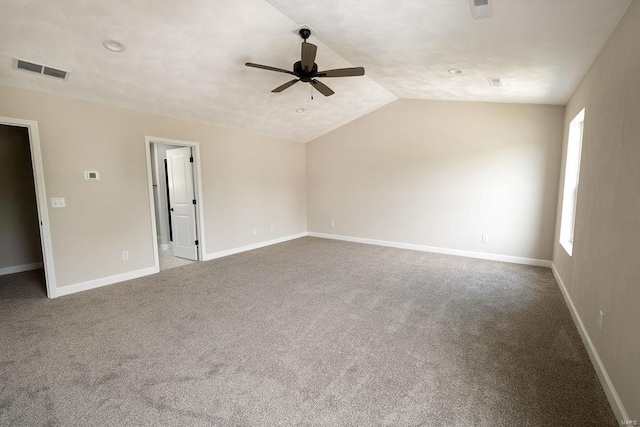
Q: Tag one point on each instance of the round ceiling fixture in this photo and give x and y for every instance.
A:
(454, 71)
(113, 46)
(300, 110)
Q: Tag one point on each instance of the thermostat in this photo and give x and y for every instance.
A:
(91, 175)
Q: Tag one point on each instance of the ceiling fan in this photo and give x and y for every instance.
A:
(306, 70)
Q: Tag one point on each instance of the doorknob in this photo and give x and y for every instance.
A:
(171, 209)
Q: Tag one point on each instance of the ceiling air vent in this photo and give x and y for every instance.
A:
(481, 9)
(19, 64)
(495, 82)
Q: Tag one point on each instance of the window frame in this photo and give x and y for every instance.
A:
(571, 182)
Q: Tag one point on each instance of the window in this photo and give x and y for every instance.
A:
(571, 175)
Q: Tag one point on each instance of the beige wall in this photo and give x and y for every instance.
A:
(441, 174)
(19, 231)
(604, 271)
(249, 181)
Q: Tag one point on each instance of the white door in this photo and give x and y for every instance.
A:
(182, 201)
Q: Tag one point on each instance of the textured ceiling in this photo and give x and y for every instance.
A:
(540, 48)
(185, 59)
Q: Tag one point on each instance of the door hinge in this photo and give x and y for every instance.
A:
(191, 159)
(196, 243)
(194, 201)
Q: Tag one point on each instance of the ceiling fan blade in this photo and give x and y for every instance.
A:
(308, 55)
(322, 88)
(342, 72)
(286, 85)
(266, 67)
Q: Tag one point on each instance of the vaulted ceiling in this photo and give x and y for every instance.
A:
(186, 59)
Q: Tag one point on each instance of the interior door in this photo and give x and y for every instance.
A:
(182, 199)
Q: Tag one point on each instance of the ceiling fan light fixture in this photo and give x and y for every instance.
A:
(114, 46)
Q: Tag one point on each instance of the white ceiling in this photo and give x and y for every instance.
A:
(186, 59)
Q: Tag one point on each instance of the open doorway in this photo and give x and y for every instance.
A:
(175, 189)
(25, 247)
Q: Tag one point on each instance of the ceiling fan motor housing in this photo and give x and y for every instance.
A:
(305, 76)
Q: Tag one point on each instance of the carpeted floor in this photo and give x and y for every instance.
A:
(308, 332)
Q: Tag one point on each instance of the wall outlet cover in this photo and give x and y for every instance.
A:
(58, 202)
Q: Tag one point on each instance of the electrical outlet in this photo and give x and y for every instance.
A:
(601, 320)
(485, 239)
(272, 228)
(125, 255)
(58, 202)
(333, 224)
(255, 231)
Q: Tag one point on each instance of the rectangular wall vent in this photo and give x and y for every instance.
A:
(32, 67)
(55, 73)
(493, 82)
(28, 66)
(481, 9)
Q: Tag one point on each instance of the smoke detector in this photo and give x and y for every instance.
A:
(481, 9)
(44, 70)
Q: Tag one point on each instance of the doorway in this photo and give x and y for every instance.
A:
(26, 242)
(176, 201)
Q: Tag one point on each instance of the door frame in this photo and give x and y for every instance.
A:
(148, 140)
(41, 199)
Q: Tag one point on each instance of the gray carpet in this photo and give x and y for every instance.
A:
(308, 332)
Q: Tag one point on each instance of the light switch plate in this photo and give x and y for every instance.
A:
(58, 202)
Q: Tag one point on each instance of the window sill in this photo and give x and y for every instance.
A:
(568, 246)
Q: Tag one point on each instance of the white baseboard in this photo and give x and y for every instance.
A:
(104, 281)
(423, 248)
(20, 268)
(220, 254)
(607, 385)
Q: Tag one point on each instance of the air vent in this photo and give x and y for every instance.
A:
(495, 82)
(28, 66)
(481, 9)
(55, 73)
(32, 67)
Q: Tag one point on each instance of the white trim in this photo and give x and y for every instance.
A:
(220, 254)
(423, 248)
(20, 268)
(605, 381)
(41, 199)
(104, 281)
(148, 140)
(152, 204)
